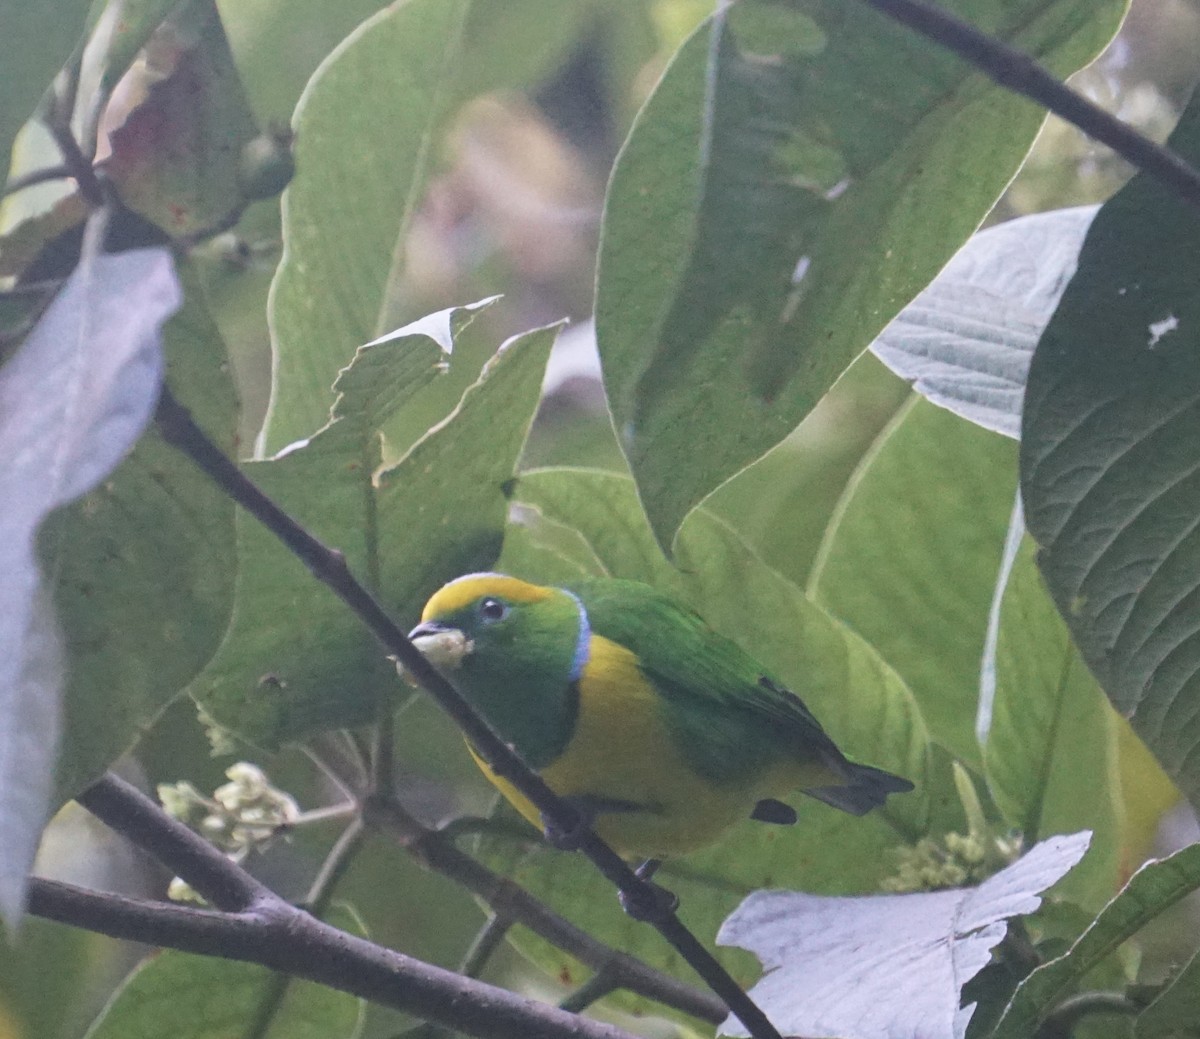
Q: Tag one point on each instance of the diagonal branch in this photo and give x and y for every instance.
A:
(329, 566)
(1018, 72)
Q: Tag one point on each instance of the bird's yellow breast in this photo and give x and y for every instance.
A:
(623, 750)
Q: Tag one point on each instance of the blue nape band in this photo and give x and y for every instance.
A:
(583, 644)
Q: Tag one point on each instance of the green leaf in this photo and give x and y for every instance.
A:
(1108, 461)
(144, 565)
(74, 398)
(911, 561)
(784, 503)
(368, 129)
(1051, 752)
(365, 127)
(177, 995)
(1175, 1013)
(404, 530)
(795, 179)
(924, 948)
(1153, 889)
(177, 158)
(36, 42)
(864, 706)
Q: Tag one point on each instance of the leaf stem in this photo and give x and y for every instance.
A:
(329, 566)
(35, 177)
(1021, 74)
(316, 902)
(490, 937)
(1061, 1021)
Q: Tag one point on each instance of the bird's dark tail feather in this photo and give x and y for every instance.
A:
(866, 788)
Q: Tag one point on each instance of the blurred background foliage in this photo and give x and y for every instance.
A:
(514, 206)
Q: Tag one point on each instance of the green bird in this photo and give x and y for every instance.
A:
(661, 732)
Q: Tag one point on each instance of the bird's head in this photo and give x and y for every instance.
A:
(491, 629)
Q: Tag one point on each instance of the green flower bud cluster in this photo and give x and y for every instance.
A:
(954, 860)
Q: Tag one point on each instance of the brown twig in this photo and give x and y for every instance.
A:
(255, 925)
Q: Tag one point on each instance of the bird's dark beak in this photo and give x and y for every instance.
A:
(426, 628)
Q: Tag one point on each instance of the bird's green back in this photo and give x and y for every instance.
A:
(730, 718)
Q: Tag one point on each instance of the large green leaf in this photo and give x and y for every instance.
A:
(797, 176)
(1175, 1013)
(144, 566)
(1153, 889)
(862, 703)
(1108, 461)
(178, 995)
(911, 561)
(365, 126)
(295, 660)
(177, 158)
(35, 43)
(1051, 750)
(367, 130)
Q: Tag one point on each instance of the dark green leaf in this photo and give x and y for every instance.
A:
(796, 178)
(295, 660)
(1154, 888)
(1108, 461)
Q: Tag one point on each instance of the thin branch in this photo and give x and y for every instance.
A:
(1021, 74)
(329, 566)
(434, 850)
(77, 164)
(599, 985)
(336, 863)
(35, 177)
(285, 939)
(490, 937)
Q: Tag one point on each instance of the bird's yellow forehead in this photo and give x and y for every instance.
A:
(464, 590)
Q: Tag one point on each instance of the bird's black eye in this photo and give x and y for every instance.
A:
(493, 610)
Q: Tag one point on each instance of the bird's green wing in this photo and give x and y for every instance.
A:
(729, 717)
